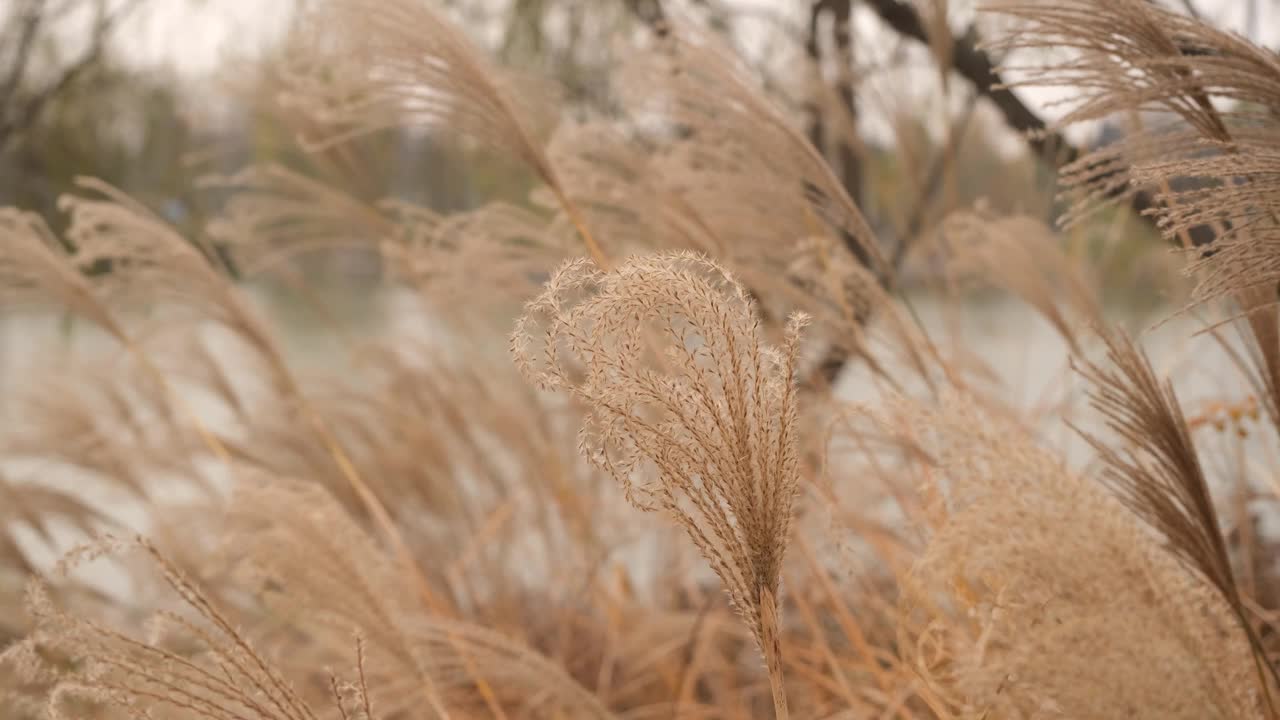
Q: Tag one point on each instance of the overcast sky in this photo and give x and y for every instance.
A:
(194, 34)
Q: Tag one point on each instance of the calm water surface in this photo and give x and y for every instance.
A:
(1023, 355)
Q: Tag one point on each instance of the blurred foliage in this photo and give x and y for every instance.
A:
(117, 125)
(147, 132)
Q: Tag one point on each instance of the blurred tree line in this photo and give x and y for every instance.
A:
(71, 104)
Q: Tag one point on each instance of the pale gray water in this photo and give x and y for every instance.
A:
(1026, 357)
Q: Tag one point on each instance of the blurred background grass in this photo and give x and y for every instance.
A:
(151, 95)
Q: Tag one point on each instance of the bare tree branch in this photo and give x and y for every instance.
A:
(30, 21)
(649, 12)
(971, 62)
(941, 164)
(18, 111)
(1190, 7)
(976, 67)
(844, 157)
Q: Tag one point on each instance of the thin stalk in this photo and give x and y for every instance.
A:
(580, 224)
(771, 648)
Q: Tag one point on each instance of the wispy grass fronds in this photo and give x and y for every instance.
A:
(1205, 146)
(355, 587)
(609, 170)
(1242, 200)
(1260, 331)
(1156, 473)
(110, 427)
(369, 65)
(441, 256)
(39, 509)
(197, 663)
(152, 264)
(1134, 55)
(413, 424)
(508, 578)
(275, 213)
(747, 173)
(1040, 592)
(34, 268)
(1022, 255)
(689, 410)
(701, 159)
(403, 63)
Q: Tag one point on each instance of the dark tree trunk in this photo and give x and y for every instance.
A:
(840, 149)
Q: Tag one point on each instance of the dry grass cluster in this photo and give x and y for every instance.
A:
(443, 529)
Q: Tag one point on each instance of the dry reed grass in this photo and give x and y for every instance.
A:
(422, 534)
